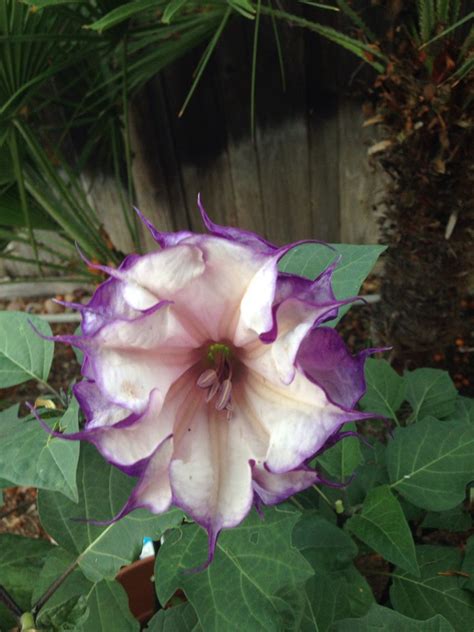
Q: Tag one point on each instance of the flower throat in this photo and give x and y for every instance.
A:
(217, 381)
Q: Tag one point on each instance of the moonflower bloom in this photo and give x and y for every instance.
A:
(209, 375)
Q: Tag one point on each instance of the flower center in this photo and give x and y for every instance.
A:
(217, 380)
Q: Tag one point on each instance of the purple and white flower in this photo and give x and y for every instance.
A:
(209, 375)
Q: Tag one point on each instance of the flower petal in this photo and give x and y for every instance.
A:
(131, 358)
(326, 361)
(273, 488)
(298, 417)
(237, 235)
(210, 472)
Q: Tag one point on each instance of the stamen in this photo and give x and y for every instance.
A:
(223, 395)
(212, 391)
(207, 378)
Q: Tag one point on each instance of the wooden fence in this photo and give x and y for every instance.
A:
(305, 175)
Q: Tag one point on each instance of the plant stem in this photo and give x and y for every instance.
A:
(53, 588)
(10, 603)
(323, 496)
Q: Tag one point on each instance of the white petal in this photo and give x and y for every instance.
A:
(273, 488)
(211, 300)
(297, 416)
(127, 444)
(256, 305)
(210, 471)
(159, 275)
(154, 490)
(133, 358)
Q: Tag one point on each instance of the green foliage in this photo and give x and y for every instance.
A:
(31, 457)
(181, 617)
(385, 389)
(438, 591)
(253, 562)
(341, 460)
(380, 619)
(383, 527)
(100, 550)
(20, 561)
(431, 462)
(430, 392)
(23, 354)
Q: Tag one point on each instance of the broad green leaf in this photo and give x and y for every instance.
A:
(380, 619)
(23, 354)
(101, 550)
(464, 409)
(309, 260)
(337, 590)
(439, 590)
(370, 473)
(238, 591)
(385, 389)
(108, 609)
(431, 462)
(180, 618)
(341, 460)
(455, 520)
(325, 546)
(20, 562)
(468, 565)
(430, 392)
(30, 456)
(82, 604)
(382, 526)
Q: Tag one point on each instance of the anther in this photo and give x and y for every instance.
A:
(212, 391)
(207, 378)
(223, 395)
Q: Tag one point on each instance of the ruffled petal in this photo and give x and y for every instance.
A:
(325, 360)
(244, 237)
(298, 418)
(131, 358)
(274, 488)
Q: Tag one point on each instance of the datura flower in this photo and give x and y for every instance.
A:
(209, 375)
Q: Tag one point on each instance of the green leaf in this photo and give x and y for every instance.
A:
(30, 456)
(431, 462)
(239, 589)
(385, 389)
(108, 609)
(23, 354)
(101, 551)
(337, 590)
(380, 619)
(121, 13)
(455, 520)
(464, 409)
(370, 473)
(438, 591)
(180, 618)
(309, 260)
(382, 526)
(341, 460)
(468, 565)
(171, 9)
(20, 562)
(430, 392)
(325, 546)
(83, 605)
